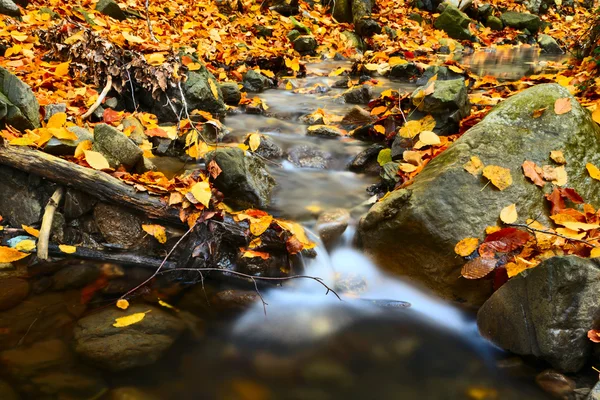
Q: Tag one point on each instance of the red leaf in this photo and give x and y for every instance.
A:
(255, 213)
(530, 170)
(500, 277)
(594, 335)
(111, 116)
(571, 194)
(556, 201)
(156, 132)
(503, 241)
(88, 291)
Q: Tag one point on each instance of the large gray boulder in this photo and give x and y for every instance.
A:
(521, 21)
(117, 148)
(244, 180)
(202, 92)
(413, 231)
(546, 312)
(8, 7)
(455, 23)
(117, 349)
(18, 105)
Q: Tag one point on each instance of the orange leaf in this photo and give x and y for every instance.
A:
(57, 120)
(8, 255)
(466, 247)
(96, 160)
(478, 267)
(562, 106)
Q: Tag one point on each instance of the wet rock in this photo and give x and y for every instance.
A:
(18, 105)
(129, 393)
(521, 21)
(118, 226)
(494, 23)
(231, 93)
(455, 23)
(407, 72)
(256, 82)
(358, 95)
(145, 165)
(68, 384)
(548, 44)
(244, 180)
(117, 148)
(137, 134)
(12, 292)
(77, 203)
(267, 148)
(233, 301)
(202, 92)
(7, 392)
(293, 35)
(28, 361)
(63, 147)
(331, 225)
(484, 10)
(305, 44)
(307, 156)
(448, 97)
(118, 349)
(442, 73)
(444, 203)
(22, 198)
(366, 161)
(312, 119)
(8, 7)
(75, 276)
(55, 108)
(356, 40)
(389, 174)
(342, 83)
(555, 384)
(546, 312)
(324, 131)
(110, 8)
(595, 392)
(357, 116)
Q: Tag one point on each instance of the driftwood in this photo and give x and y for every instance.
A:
(42, 245)
(95, 183)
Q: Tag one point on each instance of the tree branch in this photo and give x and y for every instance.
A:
(42, 244)
(100, 98)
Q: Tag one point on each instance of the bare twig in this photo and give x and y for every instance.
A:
(132, 90)
(149, 23)
(100, 98)
(42, 245)
(529, 228)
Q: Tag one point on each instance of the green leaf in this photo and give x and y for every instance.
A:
(384, 156)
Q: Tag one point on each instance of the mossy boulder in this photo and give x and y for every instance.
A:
(256, 82)
(110, 8)
(202, 92)
(18, 105)
(521, 21)
(455, 23)
(413, 231)
(117, 148)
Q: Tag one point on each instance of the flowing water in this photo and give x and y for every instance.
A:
(385, 339)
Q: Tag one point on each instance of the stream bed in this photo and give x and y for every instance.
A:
(384, 339)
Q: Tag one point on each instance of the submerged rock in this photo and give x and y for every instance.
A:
(413, 231)
(331, 225)
(455, 23)
(75, 276)
(18, 105)
(12, 292)
(307, 156)
(244, 179)
(546, 312)
(117, 349)
(358, 94)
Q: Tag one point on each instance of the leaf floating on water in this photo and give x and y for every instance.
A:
(8, 255)
(474, 166)
(167, 305)
(67, 249)
(96, 160)
(562, 106)
(122, 304)
(130, 319)
(157, 231)
(478, 268)
(508, 215)
(499, 176)
(466, 247)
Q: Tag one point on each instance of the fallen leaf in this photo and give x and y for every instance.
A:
(67, 249)
(384, 157)
(213, 88)
(26, 245)
(499, 176)
(201, 192)
(122, 304)
(259, 225)
(62, 69)
(129, 320)
(96, 160)
(558, 157)
(593, 171)
(556, 200)
(466, 247)
(213, 169)
(158, 231)
(32, 231)
(8, 255)
(508, 215)
(561, 176)
(520, 265)
(82, 147)
(579, 226)
(254, 141)
(474, 166)
(478, 268)
(562, 106)
(503, 241)
(253, 254)
(533, 172)
(429, 138)
(539, 112)
(595, 252)
(594, 335)
(58, 120)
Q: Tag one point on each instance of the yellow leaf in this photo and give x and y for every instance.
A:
(293, 64)
(520, 265)
(558, 157)
(122, 304)
(166, 305)
(297, 230)
(499, 176)
(62, 133)
(8, 255)
(474, 166)
(410, 129)
(96, 160)
(16, 49)
(593, 171)
(194, 66)
(129, 320)
(579, 226)
(82, 147)
(57, 120)
(25, 245)
(396, 61)
(202, 192)
(254, 141)
(157, 231)
(67, 249)
(466, 247)
(74, 38)
(561, 176)
(259, 225)
(379, 129)
(155, 58)
(508, 215)
(570, 233)
(595, 252)
(213, 88)
(562, 106)
(428, 138)
(454, 68)
(595, 114)
(132, 38)
(62, 69)
(32, 231)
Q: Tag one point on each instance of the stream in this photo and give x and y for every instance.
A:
(385, 339)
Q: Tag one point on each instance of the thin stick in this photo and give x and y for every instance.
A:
(148, 22)
(42, 245)
(132, 90)
(100, 98)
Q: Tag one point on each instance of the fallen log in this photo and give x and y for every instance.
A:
(95, 183)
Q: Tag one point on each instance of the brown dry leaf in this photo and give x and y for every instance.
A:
(558, 157)
(466, 247)
(499, 176)
(413, 157)
(533, 172)
(157, 231)
(594, 335)
(8, 255)
(562, 106)
(474, 166)
(478, 268)
(96, 160)
(213, 169)
(539, 112)
(509, 215)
